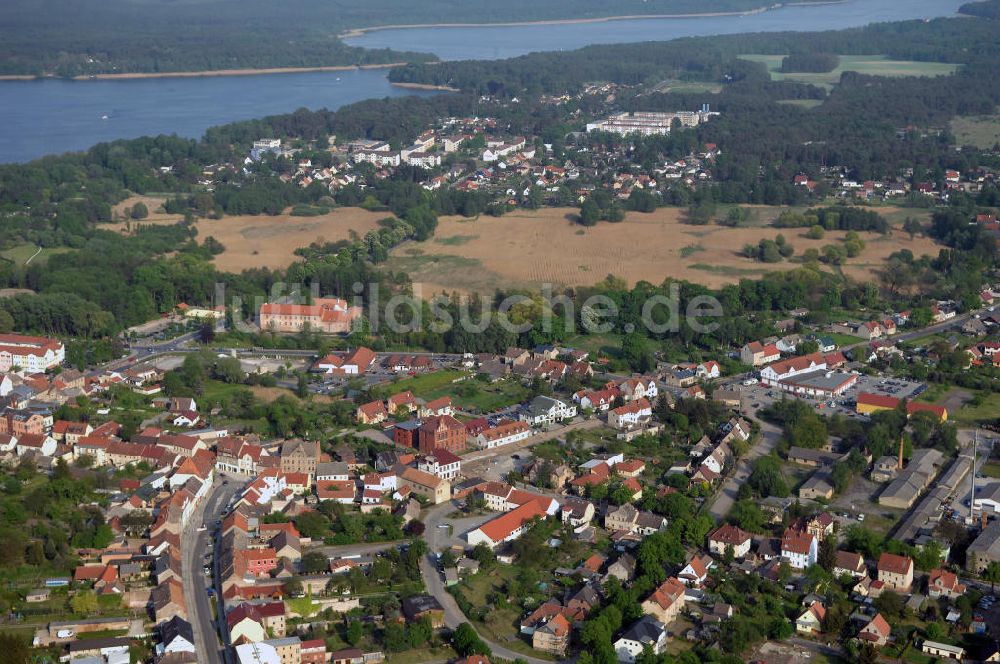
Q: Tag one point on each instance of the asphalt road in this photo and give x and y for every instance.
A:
(194, 545)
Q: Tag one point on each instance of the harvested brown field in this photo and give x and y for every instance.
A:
(528, 248)
(263, 240)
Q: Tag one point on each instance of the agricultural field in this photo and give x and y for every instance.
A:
(261, 240)
(526, 249)
(983, 131)
(873, 65)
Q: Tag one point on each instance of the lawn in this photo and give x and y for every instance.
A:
(23, 252)
(479, 397)
(991, 469)
(423, 384)
(215, 390)
(503, 623)
(872, 65)
(842, 339)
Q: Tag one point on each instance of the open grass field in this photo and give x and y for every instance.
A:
(983, 131)
(972, 414)
(528, 248)
(23, 253)
(263, 240)
(874, 65)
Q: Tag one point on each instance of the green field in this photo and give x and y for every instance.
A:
(469, 394)
(989, 409)
(421, 385)
(842, 339)
(873, 65)
(983, 131)
(24, 252)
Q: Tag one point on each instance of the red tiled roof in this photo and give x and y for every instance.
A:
(502, 526)
(890, 562)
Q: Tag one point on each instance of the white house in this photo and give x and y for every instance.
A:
(800, 549)
(646, 632)
(507, 527)
(708, 370)
(380, 482)
(36, 443)
(631, 414)
(545, 410)
(503, 434)
(6, 385)
(783, 370)
(441, 463)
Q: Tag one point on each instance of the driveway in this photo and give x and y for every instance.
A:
(726, 495)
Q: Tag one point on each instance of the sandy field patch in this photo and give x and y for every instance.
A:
(528, 248)
(263, 240)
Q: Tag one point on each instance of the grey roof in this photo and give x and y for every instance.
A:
(412, 606)
(647, 630)
(331, 468)
(176, 627)
(816, 456)
(988, 541)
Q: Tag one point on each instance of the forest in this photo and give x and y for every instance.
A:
(86, 37)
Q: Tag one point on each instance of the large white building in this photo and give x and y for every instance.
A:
(503, 434)
(649, 123)
(30, 354)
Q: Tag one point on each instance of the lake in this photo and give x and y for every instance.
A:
(52, 116)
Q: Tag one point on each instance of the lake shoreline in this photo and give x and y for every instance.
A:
(208, 72)
(354, 33)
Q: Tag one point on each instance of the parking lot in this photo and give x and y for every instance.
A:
(761, 396)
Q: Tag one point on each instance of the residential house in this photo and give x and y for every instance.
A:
(800, 549)
(695, 573)
(633, 414)
(848, 562)
(503, 434)
(508, 526)
(876, 632)
(811, 620)
(543, 411)
(300, 456)
(646, 633)
(942, 583)
(729, 536)
(441, 463)
(435, 489)
(757, 354)
(666, 602)
(896, 572)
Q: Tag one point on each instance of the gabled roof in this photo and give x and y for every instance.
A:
(730, 534)
(894, 564)
(501, 527)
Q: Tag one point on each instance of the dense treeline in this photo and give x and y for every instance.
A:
(984, 9)
(83, 37)
(840, 218)
(703, 58)
(809, 62)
